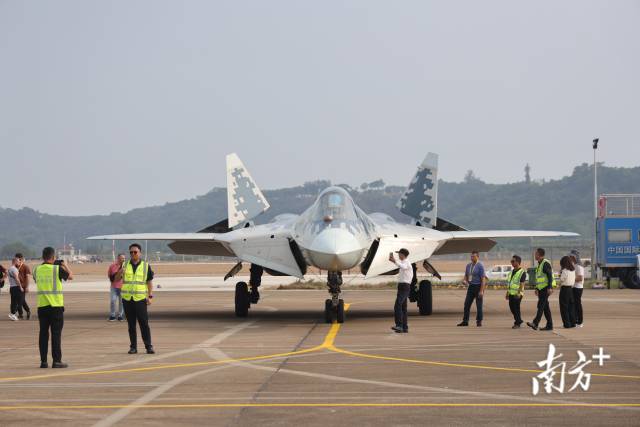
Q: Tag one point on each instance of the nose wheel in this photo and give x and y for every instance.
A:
(334, 306)
(334, 313)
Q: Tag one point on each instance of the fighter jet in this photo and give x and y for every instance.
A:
(333, 235)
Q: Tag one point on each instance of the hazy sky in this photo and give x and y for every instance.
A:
(110, 105)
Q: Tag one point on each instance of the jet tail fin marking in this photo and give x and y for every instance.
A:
(245, 201)
(420, 199)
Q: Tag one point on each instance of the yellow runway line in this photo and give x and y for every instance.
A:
(461, 365)
(169, 366)
(327, 344)
(326, 405)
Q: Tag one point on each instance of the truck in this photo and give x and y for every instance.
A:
(618, 238)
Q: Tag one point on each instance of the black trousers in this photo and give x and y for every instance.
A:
(18, 301)
(51, 318)
(400, 307)
(514, 306)
(137, 311)
(577, 304)
(543, 307)
(473, 292)
(566, 307)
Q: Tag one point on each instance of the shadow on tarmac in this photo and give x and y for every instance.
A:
(257, 315)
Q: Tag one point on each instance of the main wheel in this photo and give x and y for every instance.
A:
(242, 299)
(340, 311)
(425, 298)
(328, 311)
(632, 281)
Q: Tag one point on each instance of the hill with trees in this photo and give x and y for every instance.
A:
(564, 204)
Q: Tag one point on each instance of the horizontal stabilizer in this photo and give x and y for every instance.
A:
(218, 227)
(445, 225)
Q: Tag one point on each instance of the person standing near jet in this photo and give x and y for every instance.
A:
(476, 281)
(49, 277)
(577, 287)
(137, 292)
(16, 291)
(115, 295)
(545, 282)
(405, 276)
(515, 289)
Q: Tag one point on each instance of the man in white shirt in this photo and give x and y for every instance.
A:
(578, 286)
(405, 276)
(15, 289)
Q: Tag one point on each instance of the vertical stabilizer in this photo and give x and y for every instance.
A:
(245, 201)
(420, 199)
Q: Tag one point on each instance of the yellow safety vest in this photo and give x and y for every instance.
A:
(49, 285)
(541, 279)
(134, 285)
(514, 282)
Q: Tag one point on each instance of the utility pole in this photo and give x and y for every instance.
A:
(594, 264)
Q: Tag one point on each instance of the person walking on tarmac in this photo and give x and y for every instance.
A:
(49, 277)
(24, 272)
(137, 292)
(515, 289)
(476, 280)
(545, 282)
(567, 280)
(405, 276)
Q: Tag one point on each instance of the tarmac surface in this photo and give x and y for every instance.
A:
(283, 365)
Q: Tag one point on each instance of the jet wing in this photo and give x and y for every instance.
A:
(467, 241)
(214, 244)
(498, 234)
(267, 245)
(422, 243)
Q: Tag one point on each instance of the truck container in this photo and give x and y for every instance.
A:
(618, 238)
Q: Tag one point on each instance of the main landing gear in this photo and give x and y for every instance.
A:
(244, 297)
(421, 294)
(334, 307)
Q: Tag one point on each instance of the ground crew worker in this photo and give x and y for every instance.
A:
(515, 289)
(49, 277)
(405, 276)
(545, 282)
(476, 281)
(137, 292)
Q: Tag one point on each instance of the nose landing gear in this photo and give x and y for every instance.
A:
(334, 307)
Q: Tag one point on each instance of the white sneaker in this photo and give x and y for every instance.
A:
(13, 317)
(579, 325)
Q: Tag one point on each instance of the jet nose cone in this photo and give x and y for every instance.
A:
(335, 249)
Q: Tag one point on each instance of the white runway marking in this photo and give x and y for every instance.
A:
(216, 353)
(152, 394)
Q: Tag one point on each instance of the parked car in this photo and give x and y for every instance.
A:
(499, 272)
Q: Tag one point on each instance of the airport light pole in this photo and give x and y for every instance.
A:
(594, 264)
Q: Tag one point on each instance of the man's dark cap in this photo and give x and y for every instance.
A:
(404, 252)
